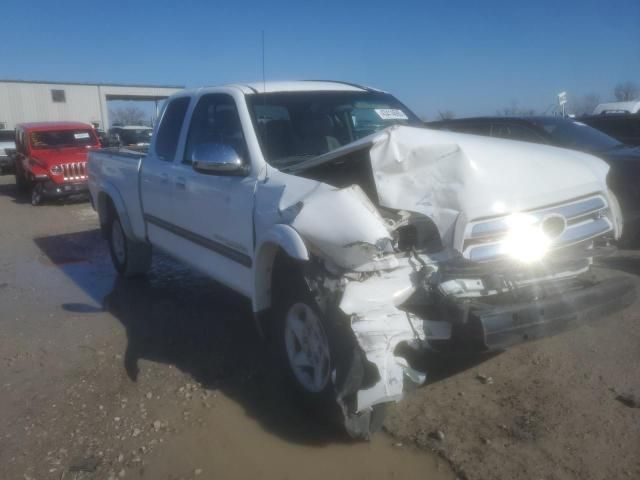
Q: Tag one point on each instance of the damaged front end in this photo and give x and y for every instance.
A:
(431, 249)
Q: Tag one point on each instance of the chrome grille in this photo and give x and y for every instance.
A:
(586, 218)
(73, 172)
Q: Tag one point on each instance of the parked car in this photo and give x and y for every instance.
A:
(632, 106)
(51, 158)
(624, 161)
(103, 137)
(7, 150)
(623, 127)
(356, 247)
(130, 136)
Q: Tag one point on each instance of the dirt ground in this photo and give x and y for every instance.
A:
(165, 378)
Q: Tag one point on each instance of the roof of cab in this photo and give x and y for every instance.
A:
(132, 127)
(42, 126)
(250, 88)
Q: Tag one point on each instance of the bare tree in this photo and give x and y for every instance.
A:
(446, 115)
(127, 116)
(625, 91)
(584, 105)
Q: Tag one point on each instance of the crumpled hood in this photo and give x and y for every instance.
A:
(455, 176)
(51, 157)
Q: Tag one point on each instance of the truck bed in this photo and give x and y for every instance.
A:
(116, 171)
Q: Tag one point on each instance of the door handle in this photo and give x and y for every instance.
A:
(181, 183)
(164, 178)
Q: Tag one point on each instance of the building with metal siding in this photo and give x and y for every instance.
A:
(26, 101)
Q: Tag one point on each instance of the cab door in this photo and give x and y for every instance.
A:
(157, 178)
(213, 211)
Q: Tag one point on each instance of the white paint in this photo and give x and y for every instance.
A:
(453, 179)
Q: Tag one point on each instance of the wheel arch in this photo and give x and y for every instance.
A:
(280, 239)
(109, 198)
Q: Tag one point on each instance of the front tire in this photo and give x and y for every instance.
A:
(37, 195)
(130, 258)
(21, 179)
(320, 358)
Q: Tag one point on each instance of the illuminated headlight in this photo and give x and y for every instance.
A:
(528, 237)
(525, 240)
(56, 170)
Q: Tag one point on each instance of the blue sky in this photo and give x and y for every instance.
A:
(471, 57)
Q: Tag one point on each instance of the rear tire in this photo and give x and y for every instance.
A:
(21, 179)
(130, 258)
(321, 359)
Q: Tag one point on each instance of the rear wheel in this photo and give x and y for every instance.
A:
(321, 358)
(130, 258)
(21, 179)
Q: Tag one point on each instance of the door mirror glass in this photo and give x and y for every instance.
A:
(217, 159)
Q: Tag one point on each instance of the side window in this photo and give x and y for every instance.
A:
(215, 120)
(170, 126)
(515, 132)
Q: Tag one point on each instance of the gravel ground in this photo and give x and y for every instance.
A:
(157, 378)
(164, 378)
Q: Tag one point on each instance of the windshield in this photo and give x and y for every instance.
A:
(294, 126)
(577, 135)
(7, 135)
(135, 136)
(62, 138)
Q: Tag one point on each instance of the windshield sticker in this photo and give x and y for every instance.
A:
(391, 114)
(80, 135)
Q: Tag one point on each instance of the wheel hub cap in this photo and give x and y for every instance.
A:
(307, 347)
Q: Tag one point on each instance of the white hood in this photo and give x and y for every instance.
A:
(454, 177)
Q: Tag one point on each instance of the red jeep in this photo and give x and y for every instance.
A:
(52, 158)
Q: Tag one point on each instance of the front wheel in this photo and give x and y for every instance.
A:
(130, 258)
(21, 179)
(321, 358)
(37, 195)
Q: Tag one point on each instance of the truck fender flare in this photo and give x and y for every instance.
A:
(110, 192)
(279, 237)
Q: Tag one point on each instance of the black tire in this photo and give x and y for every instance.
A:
(630, 236)
(347, 369)
(130, 258)
(21, 179)
(37, 196)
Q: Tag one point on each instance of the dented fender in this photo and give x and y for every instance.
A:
(278, 237)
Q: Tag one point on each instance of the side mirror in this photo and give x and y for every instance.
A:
(217, 159)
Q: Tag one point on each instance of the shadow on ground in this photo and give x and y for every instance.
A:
(11, 190)
(629, 263)
(178, 317)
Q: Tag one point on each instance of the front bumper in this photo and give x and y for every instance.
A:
(481, 327)
(58, 190)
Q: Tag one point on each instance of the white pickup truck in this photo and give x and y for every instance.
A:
(359, 235)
